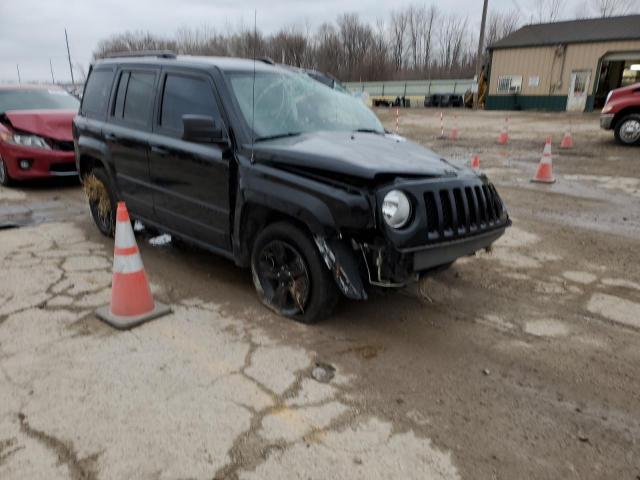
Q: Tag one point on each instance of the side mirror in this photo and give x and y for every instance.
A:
(202, 129)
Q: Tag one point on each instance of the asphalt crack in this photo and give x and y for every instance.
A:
(79, 469)
(8, 448)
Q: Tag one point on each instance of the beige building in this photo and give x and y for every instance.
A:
(564, 65)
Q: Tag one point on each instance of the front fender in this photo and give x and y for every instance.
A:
(323, 207)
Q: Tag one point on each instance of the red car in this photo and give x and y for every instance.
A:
(621, 113)
(35, 132)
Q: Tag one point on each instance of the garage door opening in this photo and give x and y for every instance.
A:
(616, 70)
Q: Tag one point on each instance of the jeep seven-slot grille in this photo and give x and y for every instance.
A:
(454, 212)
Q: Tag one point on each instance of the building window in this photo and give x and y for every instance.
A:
(509, 83)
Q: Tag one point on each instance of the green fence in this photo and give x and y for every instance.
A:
(411, 88)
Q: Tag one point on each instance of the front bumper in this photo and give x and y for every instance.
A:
(434, 256)
(42, 163)
(453, 217)
(388, 267)
(606, 120)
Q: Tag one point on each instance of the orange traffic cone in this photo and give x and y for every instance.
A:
(503, 138)
(453, 135)
(475, 162)
(544, 174)
(131, 299)
(567, 140)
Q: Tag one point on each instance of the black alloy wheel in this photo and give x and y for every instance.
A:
(290, 276)
(284, 278)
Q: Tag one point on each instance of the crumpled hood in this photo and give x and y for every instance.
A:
(356, 154)
(54, 124)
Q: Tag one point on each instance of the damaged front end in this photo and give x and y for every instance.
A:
(449, 219)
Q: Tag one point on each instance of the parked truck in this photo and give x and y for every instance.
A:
(621, 113)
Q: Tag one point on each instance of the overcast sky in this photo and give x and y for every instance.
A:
(32, 31)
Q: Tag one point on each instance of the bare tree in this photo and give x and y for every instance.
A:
(416, 21)
(398, 29)
(414, 42)
(132, 42)
(452, 41)
(548, 10)
(431, 15)
(612, 8)
(328, 50)
(289, 46)
(499, 25)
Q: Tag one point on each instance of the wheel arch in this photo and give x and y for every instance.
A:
(623, 113)
(254, 217)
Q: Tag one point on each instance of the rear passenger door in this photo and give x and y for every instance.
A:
(191, 180)
(127, 134)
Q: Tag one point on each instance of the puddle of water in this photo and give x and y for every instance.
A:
(580, 277)
(546, 328)
(620, 282)
(614, 308)
(628, 185)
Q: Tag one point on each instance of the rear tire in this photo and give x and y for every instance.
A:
(102, 201)
(627, 130)
(5, 179)
(289, 275)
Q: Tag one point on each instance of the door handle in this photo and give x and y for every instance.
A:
(111, 137)
(159, 150)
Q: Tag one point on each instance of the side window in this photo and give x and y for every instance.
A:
(135, 96)
(186, 95)
(96, 93)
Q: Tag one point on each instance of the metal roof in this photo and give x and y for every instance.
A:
(573, 31)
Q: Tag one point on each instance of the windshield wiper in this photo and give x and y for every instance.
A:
(368, 130)
(279, 135)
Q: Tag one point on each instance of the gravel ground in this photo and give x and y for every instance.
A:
(520, 362)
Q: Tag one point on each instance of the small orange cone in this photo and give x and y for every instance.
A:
(453, 135)
(475, 162)
(503, 138)
(544, 173)
(567, 140)
(131, 299)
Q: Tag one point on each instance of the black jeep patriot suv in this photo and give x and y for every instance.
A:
(278, 172)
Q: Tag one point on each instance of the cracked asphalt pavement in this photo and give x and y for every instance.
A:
(516, 363)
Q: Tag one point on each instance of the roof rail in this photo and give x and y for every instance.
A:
(266, 60)
(143, 53)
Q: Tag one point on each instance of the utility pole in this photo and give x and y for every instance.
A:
(18, 69)
(69, 55)
(479, 57)
(53, 80)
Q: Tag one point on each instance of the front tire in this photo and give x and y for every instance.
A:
(5, 179)
(627, 130)
(289, 275)
(102, 201)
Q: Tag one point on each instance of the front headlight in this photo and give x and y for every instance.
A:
(32, 141)
(607, 108)
(396, 209)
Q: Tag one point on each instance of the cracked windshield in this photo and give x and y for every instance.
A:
(290, 103)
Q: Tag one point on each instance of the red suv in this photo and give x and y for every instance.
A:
(621, 113)
(35, 132)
